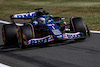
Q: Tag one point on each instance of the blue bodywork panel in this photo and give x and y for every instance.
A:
(51, 25)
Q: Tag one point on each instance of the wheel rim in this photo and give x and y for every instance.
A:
(20, 38)
(4, 37)
(24, 39)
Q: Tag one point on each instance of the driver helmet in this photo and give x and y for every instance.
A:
(42, 20)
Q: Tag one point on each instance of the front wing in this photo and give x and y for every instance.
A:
(50, 38)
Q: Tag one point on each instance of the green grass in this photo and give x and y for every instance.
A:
(89, 10)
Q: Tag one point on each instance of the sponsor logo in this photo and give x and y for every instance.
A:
(25, 15)
(56, 32)
(73, 36)
(52, 25)
(41, 40)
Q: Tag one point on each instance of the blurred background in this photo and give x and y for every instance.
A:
(89, 10)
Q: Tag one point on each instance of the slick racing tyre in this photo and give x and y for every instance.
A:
(77, 25)
(9, 34)
(24, 34)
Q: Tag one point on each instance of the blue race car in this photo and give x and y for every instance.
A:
(43, 28)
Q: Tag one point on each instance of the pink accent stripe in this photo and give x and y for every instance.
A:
(52, 39)
(65, 23)
(32, 29)
(15, 16)
(64, 36)
(73, 24)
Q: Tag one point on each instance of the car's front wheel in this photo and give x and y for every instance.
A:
(78, 25)
(24, 34)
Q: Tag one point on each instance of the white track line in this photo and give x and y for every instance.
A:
(3, 65)
(92, 31)
(5, 22)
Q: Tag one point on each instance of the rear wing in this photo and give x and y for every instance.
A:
(23, 16)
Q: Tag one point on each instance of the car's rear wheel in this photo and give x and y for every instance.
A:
(24, 34)
(9, 34)
(78, 25)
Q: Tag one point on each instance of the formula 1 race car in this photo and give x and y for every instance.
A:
(43, 28)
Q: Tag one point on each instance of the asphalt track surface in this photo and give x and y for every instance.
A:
(57, 54)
